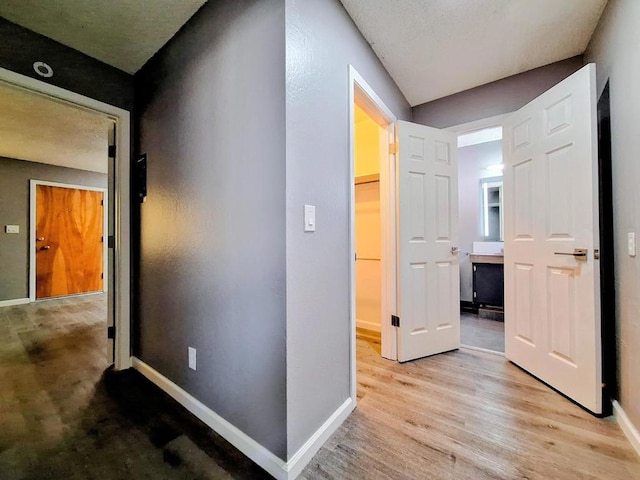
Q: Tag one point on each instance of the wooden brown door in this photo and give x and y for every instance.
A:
(69, 241)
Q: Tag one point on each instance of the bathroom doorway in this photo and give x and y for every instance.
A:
(481, 230)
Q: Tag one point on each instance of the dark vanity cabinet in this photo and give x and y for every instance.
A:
(488, 284)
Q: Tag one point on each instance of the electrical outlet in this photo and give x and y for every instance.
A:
(12, 228)
(631, 244)
(192, 358)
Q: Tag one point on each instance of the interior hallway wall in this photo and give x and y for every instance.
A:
(212, 263)
(495, 98)
(321, 42)
(14, 210)
(74, 71)
(614, 48)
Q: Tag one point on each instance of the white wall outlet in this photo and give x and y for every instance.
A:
(631, 244)
(12, 228)
(192, 358)
(309, 218)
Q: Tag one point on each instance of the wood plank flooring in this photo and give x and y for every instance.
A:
(65, 415)
(467, 415)
(461, 415)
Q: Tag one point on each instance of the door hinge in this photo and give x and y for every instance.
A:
(112, 151)
(111, 241)
(395, 321)
(393, 148)
(474, 295)
(111, 332)
(102, 276)
(596, 254)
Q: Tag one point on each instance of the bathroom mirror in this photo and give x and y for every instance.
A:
(491, 211)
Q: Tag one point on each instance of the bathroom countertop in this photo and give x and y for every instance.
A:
(486, 257)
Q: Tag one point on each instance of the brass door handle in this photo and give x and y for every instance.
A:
(40, 239)
(46, 247)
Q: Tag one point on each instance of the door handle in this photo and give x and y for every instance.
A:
(579, 254)
(454, 250)
(46, 247)
(40, 239)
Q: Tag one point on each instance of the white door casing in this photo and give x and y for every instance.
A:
(110, 233)
(552, 300)
(428, 280)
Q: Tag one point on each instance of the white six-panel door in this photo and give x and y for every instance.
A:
(429, 285)
(552, 309)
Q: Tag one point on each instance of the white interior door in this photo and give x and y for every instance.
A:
(552, 298)
(429, 284)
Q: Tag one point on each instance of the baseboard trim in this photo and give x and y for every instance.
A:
(15, 301)
(271, 463)
(629, 429)
(374, 327)
(303, 456)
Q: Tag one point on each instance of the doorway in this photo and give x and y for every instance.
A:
(481, 229)
(116, 161)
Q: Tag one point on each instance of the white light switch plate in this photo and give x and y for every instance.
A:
(192, 358)
(309, 218)
(12, 228)
(631, 244)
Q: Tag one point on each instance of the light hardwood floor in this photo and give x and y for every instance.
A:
(462, 415)
(467, 415)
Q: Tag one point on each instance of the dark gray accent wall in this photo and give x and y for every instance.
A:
(614, 49)
(212, 261)
(495, 98)
(321, 42)
(74, 71)
(14, 210)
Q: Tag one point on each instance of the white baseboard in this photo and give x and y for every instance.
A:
(303, 456)
(271, 463)
(629, 429)
(376, 327)
(15, 301)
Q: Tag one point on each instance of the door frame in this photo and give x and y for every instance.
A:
(361, 90)
(122, 246)
(33, 184)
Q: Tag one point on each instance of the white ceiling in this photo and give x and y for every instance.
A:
(122, 33)
(435, 48)
(38, 129)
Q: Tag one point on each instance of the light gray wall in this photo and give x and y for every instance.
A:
(472, 160)
(321, 41)
(614, 48)
(14, 210)
(212, 262)
(495, 98)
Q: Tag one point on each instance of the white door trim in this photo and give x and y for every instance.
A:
(388, 222)
(122, 250)
(33, 183)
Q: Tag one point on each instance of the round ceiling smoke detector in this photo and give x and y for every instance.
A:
(43, 69)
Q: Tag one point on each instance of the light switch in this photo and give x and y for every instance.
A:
(309, 218)
(192, 358)
(631, 244)
(12, 228)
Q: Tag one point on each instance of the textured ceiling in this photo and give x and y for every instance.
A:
(122, 33)
(38, 129)
(434, 48)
